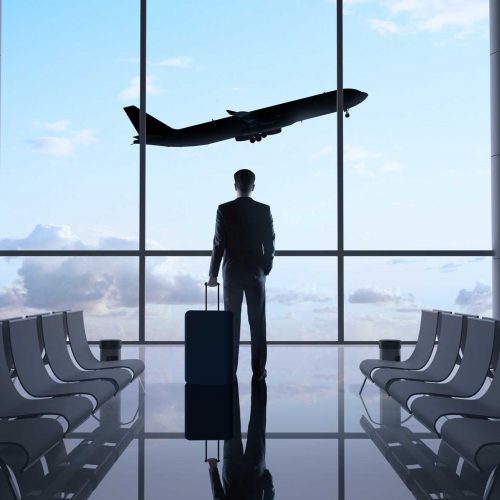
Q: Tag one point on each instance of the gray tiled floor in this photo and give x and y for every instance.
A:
(312, 450)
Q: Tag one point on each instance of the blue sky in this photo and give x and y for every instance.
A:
(416, 151)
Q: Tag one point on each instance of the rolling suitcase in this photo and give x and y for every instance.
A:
(209, 345)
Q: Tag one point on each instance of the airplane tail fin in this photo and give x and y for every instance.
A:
(153, 126)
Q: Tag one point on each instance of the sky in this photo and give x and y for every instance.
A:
(416, 156)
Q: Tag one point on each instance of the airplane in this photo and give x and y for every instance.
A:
(250, 126)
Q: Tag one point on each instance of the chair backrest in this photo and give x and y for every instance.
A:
(77, 337)
(6, 344)
(7, 390)
(452, 327)
(27, 351)
(477, 352)
(426, 337)
(496, 348)
(54, 339)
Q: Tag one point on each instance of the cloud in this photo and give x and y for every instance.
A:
(376, 295)
(133, 90)
(50, 237)
(475, 301)
(450, 267)
(326, 310)
(391, 167)
(290, 297)
(59, 126)
(367, 162)
(357, 153)
(408, 16)
(383, 27)
(326, 151)
(62, 145)
(183, 62)
(397, 261)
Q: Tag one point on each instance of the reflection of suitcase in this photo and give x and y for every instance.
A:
(209, 345)
(209, 412)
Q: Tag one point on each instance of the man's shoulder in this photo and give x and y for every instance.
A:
(234, 204)
(262, 206)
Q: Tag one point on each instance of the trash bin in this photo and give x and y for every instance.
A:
(390, 350)
(110, 350)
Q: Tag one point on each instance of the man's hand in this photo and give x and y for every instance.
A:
(212, 281)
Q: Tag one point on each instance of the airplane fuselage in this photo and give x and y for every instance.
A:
(253, 125)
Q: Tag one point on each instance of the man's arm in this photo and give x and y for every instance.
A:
(268, 243)
(218, 248)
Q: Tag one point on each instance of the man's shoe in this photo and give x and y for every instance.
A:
(260, 377)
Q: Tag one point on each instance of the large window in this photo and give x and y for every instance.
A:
(124, 231)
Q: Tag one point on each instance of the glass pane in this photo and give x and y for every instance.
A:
(105, 288)
(300, 468)
(384, 296)
(301, 301)
(301, 394)
(242, 57)
(379, 480)
(68, 171)
(417, 165)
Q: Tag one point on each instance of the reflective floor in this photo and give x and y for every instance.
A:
(320, 441)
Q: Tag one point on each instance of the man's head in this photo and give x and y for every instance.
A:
(244, 182)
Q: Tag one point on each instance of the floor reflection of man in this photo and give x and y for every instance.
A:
(244, 473)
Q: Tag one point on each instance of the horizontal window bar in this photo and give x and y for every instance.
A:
(279, 253)
(269, 435)
(269, 342)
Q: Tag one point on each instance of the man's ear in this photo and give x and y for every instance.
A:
(235, 187)
(253, 187)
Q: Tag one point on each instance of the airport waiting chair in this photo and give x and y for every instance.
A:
(429, 409)
(22, 443)
(468, 436)
(74, 409)
(54, 338)
(420, 355)
(82, 353)
(471, 373)
(443, 362)
(32, 373)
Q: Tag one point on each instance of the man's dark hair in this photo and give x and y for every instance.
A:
(244, 179)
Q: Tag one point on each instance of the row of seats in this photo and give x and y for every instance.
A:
(62, 380)
(449, 366)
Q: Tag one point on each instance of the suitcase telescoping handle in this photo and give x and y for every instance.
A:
(218, 296)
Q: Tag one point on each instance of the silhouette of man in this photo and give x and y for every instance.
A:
(244, 236)
(244, 474)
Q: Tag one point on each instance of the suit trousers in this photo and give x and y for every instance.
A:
(254, 288)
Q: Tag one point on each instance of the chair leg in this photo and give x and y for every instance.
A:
(362, 385)
(142, 388)
(492, 488)
(11, 481)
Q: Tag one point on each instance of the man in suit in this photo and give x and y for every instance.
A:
(244, 236)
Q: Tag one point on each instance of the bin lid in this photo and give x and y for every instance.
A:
(389, 344)
(110, 344)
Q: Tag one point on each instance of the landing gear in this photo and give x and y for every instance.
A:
(347, 115)
(252, 139)
(258, 138)
(264, 135)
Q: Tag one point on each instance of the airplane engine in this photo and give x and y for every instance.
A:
(273, 132)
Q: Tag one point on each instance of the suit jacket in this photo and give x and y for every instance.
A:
(244, 236)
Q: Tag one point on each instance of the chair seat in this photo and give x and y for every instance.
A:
(468, 436)
(24, 441)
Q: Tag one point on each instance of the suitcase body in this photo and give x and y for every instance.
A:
(209, 347)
